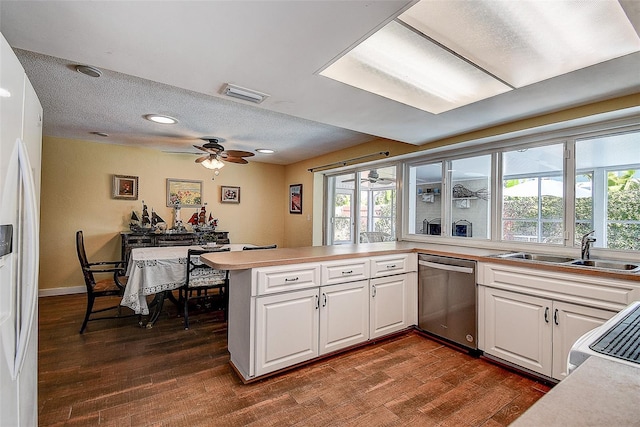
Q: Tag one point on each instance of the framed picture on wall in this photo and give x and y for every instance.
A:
(188, 193)
(295, 199)
(125, 187)
(229, 194)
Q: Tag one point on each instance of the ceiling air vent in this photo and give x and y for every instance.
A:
(243, 93)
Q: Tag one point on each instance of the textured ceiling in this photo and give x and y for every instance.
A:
(173, 57)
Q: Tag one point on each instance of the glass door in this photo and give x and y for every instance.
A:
(342, 209)
(361, 206)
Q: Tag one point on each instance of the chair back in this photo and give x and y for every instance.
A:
(374, 236)
(200, 275)
(89, 280)
(253, 248)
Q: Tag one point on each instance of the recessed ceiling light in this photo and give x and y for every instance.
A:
(100, 134)
(265, 150)
(88, 70)
(159, 118)
(4, 93)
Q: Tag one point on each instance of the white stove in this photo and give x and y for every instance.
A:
(618, 340)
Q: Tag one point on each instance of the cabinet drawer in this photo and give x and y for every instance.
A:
(271, 280)
(348, 270)
(391, 264)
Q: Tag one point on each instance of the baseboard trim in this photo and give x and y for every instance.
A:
(62, 291)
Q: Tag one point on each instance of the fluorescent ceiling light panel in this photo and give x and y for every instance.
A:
(400, 64)
(490, 47)
(524, 42)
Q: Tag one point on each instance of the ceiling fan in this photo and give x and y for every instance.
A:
(216, 153)
(374, 178)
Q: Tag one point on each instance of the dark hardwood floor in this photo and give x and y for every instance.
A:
(118, 374)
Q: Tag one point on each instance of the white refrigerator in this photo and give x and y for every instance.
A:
(20, 160)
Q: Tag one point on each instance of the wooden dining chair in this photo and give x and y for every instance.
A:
(253, 248)
(113, 285)
(205, 284)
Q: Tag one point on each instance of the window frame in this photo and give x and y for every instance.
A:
(566, 136)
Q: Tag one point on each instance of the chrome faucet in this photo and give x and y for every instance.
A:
(585, 247)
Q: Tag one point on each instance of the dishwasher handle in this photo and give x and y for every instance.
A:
(447, 267)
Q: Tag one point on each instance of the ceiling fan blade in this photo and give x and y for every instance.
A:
(238, 160)
(206, 150)
(238, 153)
(202, 159)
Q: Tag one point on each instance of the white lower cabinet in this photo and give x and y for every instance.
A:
(344, 315)
(294, 327)
(391, 304)
(535, 333)
(286, 329)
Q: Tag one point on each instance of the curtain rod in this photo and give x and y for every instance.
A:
(346, 162)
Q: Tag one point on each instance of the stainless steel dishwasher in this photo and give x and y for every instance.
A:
(447, 299)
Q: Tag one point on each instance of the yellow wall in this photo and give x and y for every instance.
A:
(76, 195)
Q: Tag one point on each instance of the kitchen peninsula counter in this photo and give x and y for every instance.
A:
(286, 256)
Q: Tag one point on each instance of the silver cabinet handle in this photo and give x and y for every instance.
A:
(291, 280)
(555, 317)
(374, 291)
(324, 296)
(391, 266)
(347, 272)
(317, 302)
(546, 314)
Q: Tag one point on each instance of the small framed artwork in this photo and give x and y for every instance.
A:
(125, 187)
(229, 194)
(295, 199)
(187, 193)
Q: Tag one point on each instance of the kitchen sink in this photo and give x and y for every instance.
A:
(558, 259)
(538, 257)
(609, 265)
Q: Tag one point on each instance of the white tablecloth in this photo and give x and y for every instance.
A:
(157, 269)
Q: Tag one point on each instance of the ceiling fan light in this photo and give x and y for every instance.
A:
(212, 163)
(244, 93)
(265, 150)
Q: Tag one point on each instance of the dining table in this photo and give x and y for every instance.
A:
(158, 271)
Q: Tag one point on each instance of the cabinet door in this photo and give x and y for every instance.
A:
(518, 329)
(286, 329)
(389, 305)
(344, 315)
(570, 322)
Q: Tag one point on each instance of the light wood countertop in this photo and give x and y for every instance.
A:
(242, 260)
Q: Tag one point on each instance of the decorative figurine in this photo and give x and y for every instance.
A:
(146, 221)
(194, 219)
(134, 224)
(202, 218)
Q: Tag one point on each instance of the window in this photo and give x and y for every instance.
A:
(533, 194)
(608, 167)
(470, 208)
(463, 210)
(551, 192)
(425, 204)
